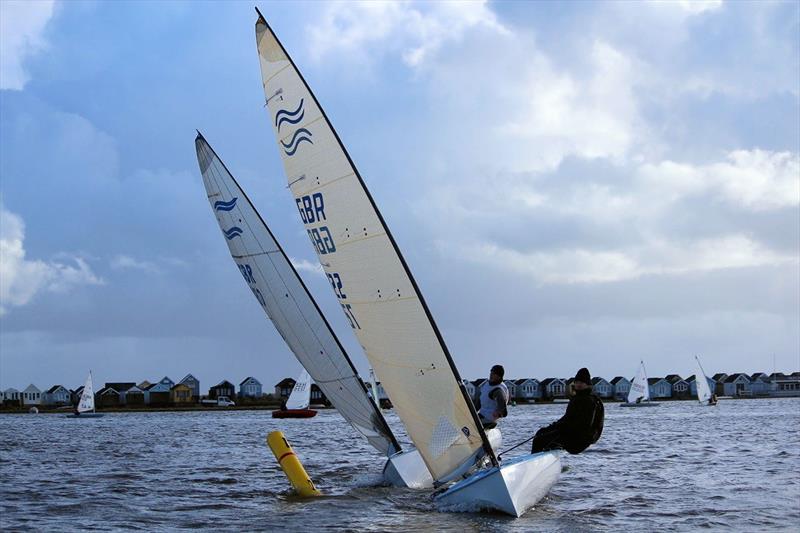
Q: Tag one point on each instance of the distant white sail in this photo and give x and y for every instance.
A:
(639, 387)
(368, 274)
(374, 387)
(86, 402)
(300, 397)
(284, 297)
(701, 381)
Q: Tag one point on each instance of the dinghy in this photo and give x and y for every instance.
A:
(283, 296)
(704, 394)
(299, 400)
(384, 306)
(639, 395)
(85, 408)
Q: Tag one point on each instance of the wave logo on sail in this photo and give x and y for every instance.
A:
(292, 117)
(299, 136)
(225, 206)
(233, 232)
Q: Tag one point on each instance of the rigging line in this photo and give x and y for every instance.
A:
(515, 446)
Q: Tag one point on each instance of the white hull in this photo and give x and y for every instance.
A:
(513, 488)
(85, 415)
(407, 469)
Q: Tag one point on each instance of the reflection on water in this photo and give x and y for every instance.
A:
(678, 466)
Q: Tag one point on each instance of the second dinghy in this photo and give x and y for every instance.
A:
(639, 394)
(299, 400)
(285, 299)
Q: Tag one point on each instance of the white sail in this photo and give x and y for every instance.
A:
(374, 387)
(300, 397)
(86, 402)
(367, 272)
(639, 387)
(282, 294)
(701, 381)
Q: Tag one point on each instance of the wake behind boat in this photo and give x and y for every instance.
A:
(383, 303)
(85, 408)
(639, 395)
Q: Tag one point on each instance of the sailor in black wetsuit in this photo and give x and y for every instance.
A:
(580, 426)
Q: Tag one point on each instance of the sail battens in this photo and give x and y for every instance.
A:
(285, 299)
(358, 253)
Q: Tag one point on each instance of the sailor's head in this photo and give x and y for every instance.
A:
(583, 380)
(496, 374)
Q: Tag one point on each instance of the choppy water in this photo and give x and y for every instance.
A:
(675, 467)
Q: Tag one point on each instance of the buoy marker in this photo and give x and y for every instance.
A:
(291, 465)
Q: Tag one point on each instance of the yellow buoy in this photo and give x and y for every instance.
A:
(291, 465)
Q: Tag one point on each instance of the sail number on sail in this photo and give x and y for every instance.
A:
(247, 273)
(312, 209)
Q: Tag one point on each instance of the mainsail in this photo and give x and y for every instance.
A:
(86, 402)
(368, 274)
(300, 397)
(701, 381)
(639, 387)
(284, 297)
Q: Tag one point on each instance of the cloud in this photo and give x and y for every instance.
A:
(124, 262)
(359, 30)
(22, 25)
(21, 279)
(307, 266)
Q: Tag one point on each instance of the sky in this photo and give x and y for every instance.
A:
(572, 184)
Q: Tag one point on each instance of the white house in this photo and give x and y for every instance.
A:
(602, 388)
(760, 384)
(12, 395)
(57, 395)
(512, 389)
(737, 385)
(528, 389)
(554, 388)
(622, 386)
(250, 387)
(32, 395)
(659, 388)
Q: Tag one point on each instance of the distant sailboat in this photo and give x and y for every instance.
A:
(299, 400)
(283, 296)
(704, 394)
(374, 388)
(384, 305)
(639, 394)
(85, 408)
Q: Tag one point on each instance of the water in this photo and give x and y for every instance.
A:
(674, 467)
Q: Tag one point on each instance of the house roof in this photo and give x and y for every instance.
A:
(760, 376)
(289, 382)
(54, 388)
(523, 380)
(223, 383)
(734, 377)
(653, 381)
(690, 378)
(673, 378)
(135, 389)
(180, 385)
(120, 386)
(187, 377)
(249, 377)
(548, 381)
(31, 388)
(778, 375)
(597, 379)
(144, 385)
(719, 376)
(10, 390)
(106, 390)
(618, 379)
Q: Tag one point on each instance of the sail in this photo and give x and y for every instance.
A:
(639, 387)
(86, 402)
(370, 278)
(701, 381)
(281, 293)
(301, 393)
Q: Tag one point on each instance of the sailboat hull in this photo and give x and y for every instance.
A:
(407, 469)
(512, 488)
(85, 415)
(641, 404)
(294, 413)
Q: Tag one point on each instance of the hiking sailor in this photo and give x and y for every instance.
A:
(580, 426)
(491, 398)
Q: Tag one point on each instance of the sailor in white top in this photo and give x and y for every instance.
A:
(491, 398)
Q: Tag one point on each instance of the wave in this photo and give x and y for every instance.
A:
(225, 206)
(233, 232)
